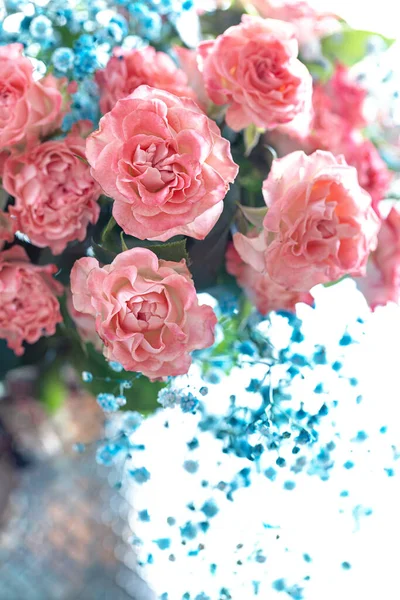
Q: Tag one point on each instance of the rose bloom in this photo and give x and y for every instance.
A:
(320, 224)
(85, 325)
(164, 163)
(128, 69)
(55, 195)
(7, 228)
(253, 68)
(382, 283)
(262, 291)
(29, 308)
(373, 173)
(189, 64)
(146, 309)
(308, 22)
(28, 108)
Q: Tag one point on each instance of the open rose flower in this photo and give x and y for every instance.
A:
(146, 309)
(28, 108)
(7, 228)
(128, 69)
(55, 195)
(373, 173)
(320, 224)
(308, 22)
(164, 163)
(382, 282)
(262, 291)
(188, 61)
(29, 308)
(253, 68)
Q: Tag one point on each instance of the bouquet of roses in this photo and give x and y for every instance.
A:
(153, 150)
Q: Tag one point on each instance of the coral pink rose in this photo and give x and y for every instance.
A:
(85, 325)
(7, 228)
(128, 69)
(373, 174)
(55, 195)
(29, 308)
(146, 310)
(253, 68)
(164, 163)
(320, 224)
(382, 283)
(309, 23)
(348, 97)
(262, 291)
(28, 108)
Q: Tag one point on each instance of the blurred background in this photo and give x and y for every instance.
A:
(66, 530)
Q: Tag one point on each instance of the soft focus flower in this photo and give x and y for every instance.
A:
(85, 324)
(15, 82)
(188, 62)
(164, 163)
(320, 224)
(29, 308)
(7, 228)
(128, 69)
(28, 109)
(373, 174)
(309, 23)
(55, 195)
(262, 291)
(253, 68)
(146, 309)
(382, 282)
(348, 97)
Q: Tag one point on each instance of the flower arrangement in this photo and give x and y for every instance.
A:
(152, 150)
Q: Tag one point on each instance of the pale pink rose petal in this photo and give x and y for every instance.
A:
(146, 309)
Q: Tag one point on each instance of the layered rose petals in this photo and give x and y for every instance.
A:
(164, 163)
(55, 195)
(146, 310)
(29, 308)
(253, 68)
(128, 69)
(320, 224)
(262, 291)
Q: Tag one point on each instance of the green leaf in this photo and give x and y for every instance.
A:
(108, 229)
(321, 71)
(251, 136)
(123, 244)
(52, 390)
(102, 254)
(351, 45)
(173, 251)
(255, 216)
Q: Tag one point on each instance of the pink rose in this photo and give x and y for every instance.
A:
(382, 282)
(189, 64)
(348, 97)
(320, 224)
(146, 310)
(85, 325)
(165, 164)
(261, 290)
(28, 108)
(55, 195)
(373, 174)
(308, 22)
(29, 308)
(128, 69)
(253, 68)
(7, 228)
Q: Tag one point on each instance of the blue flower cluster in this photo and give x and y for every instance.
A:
(74, 39)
